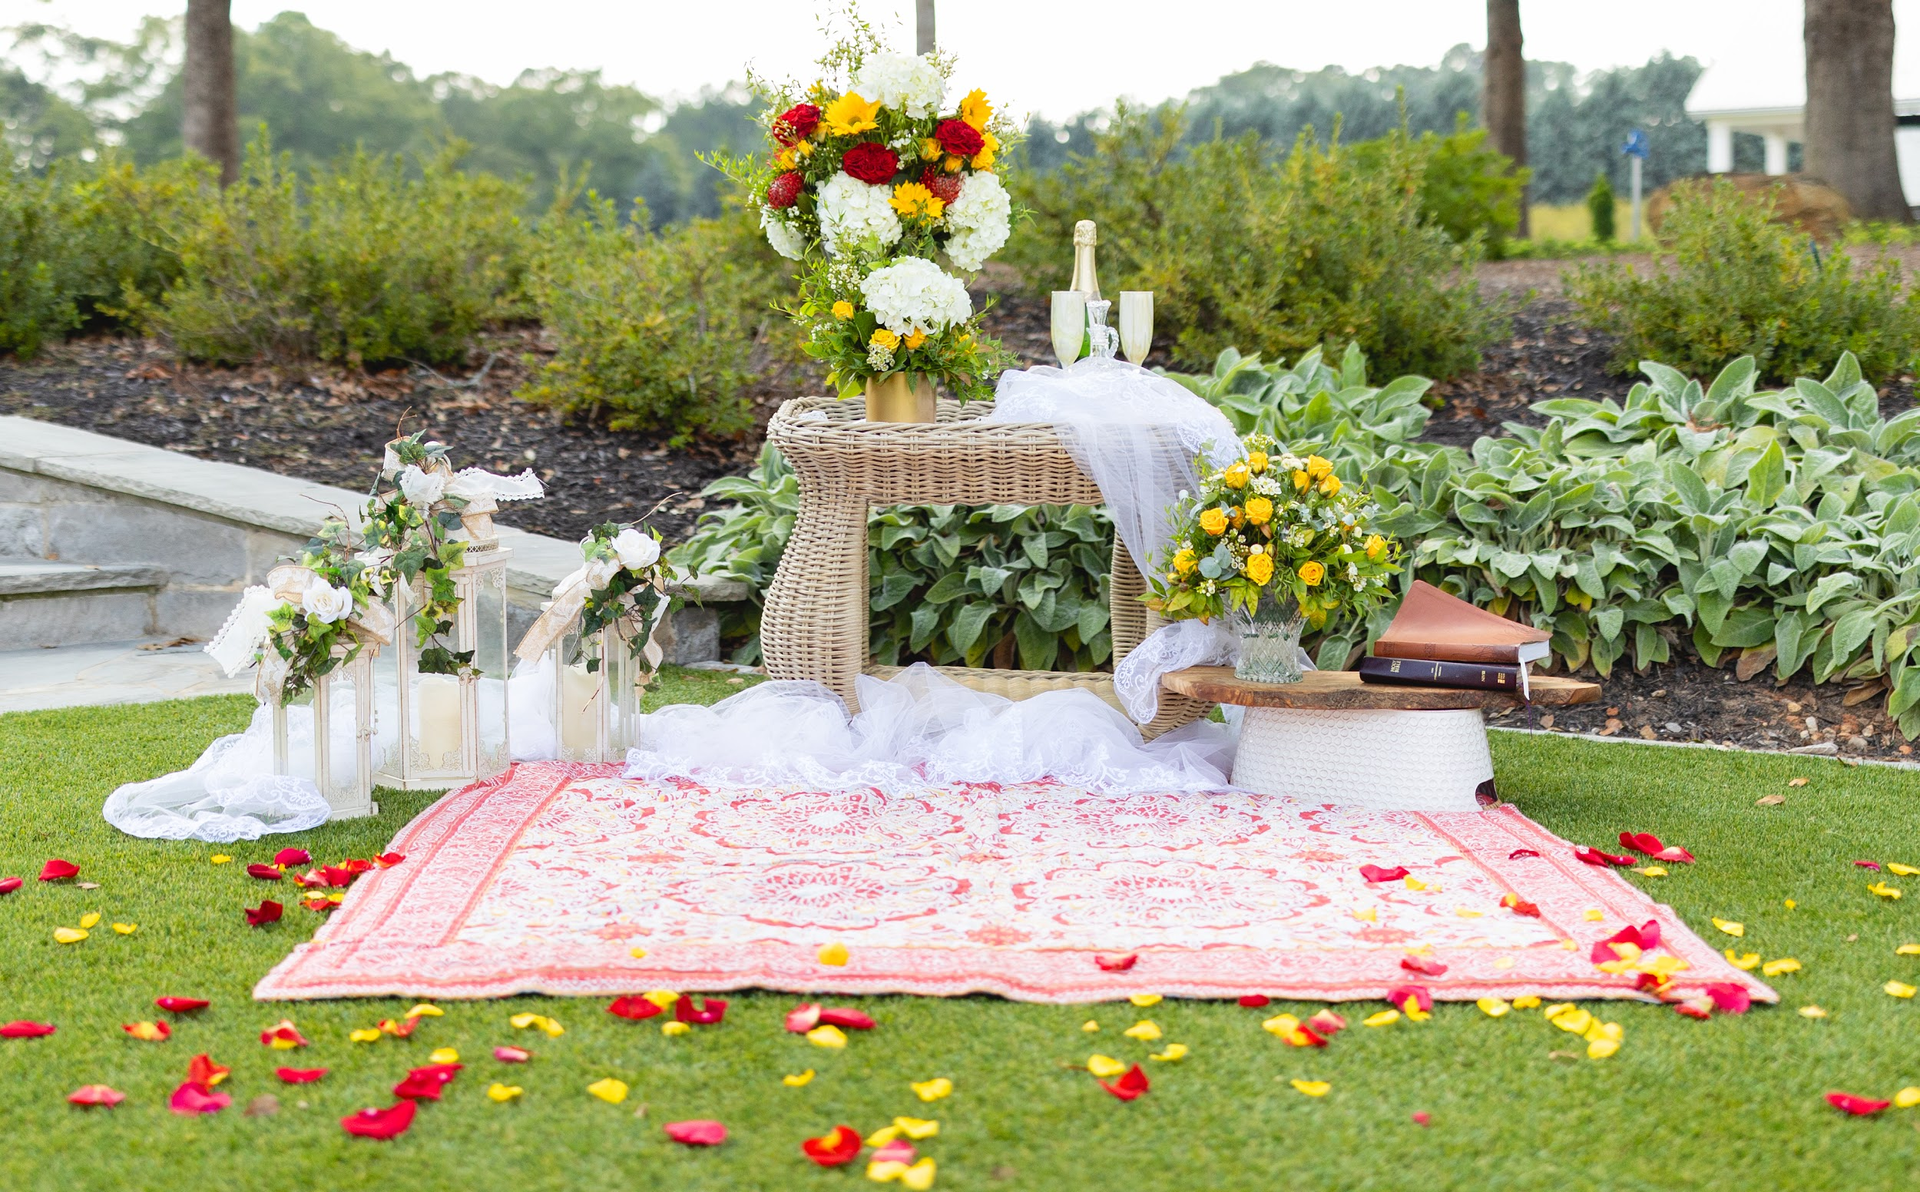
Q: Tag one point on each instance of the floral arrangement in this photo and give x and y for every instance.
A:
(1271, 528)
(625, 581)
(327, 611)
(411, 517)
(876, 173)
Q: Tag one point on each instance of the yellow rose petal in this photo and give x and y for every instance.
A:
(220, 858)
(443, 1055)
(523, 1021)
(502, 1093)
(1493, 1007)
(1746, 962)
(1383, 1018)
(638, 953)
(1464, 913)
(1370, 915)
(1505, 962)
(1883, 890)
(1145, 1030)
(1283, 1025)
(1730, 927)
(1907, 950)
(919, 1177)
(1594, 916)
(1526, 1001)
(663, 998)
(1812, 1012)
(1600, 1049)
(1143, 1000)
(834, 954)
(1105, 1065)
(68, 935)
(427, 1010)
(931, 1090)
(1173, 1051)
(676, 1027)
(126, 928)
(1414, 883)
(825, 1035)
(917, 1128)
(1773, 968)
(1907, 1097)
(1790, 904)
(883, 1136)
(90, 920)
(1574, 1022)
(800, 1081)
(1312, 1088)
(1090, 1026)
(1899, 989)
(365, 1035)
(1653, 871)
(609, 1090)
(885, 1171)
(1899, 870)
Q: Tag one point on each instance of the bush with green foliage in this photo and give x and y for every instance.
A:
(1600, 207)
(77, 238)
(1467, 188)
(1767, 529)
(655, 331)
(368, 261)
(1328, 246)
(1734, 283)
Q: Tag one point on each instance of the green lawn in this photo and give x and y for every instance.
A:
(1730, 1103)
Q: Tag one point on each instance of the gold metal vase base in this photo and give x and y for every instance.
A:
(901, 398)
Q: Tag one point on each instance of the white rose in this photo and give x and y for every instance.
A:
(422, 488)
(782, 235)
(978, 221)
(600, 573)
(854, 213)
(636, 550)
(914, 294)
(325, 603)
(912, 85)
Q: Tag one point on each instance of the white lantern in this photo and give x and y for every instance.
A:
(447, 730)
(596, 705)
(325, 734)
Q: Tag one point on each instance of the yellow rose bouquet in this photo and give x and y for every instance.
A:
(1273, 537)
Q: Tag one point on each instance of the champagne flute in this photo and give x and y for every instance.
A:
(1136, 324)
(1069, 324)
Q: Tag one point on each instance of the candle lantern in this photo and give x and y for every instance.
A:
(447, 729)
(597, 688)
(325, 735)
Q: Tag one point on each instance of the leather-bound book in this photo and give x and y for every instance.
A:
(1435, 626)
(1419, 672)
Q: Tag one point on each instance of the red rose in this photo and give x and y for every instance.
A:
(785, 190)
(870, 162)
(945, 186)
(796, 123)
(959, 138)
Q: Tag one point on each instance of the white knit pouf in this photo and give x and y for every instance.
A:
(1383, 760)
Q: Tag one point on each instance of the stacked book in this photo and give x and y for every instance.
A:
(1438, 640)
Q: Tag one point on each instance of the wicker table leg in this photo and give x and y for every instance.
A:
(814, 625)
(1383, 760)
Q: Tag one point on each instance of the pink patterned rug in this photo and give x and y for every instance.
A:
(547, 879)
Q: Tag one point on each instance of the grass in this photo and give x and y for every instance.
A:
(1730, 1103)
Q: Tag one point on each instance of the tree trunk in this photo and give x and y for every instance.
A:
(923, 27)
(210, 123)
(1850, 119)
(1503, 88)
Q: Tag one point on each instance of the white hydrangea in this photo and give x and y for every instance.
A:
(912, 85)
(782, 235)
(978, 221)
(914, 294)
(852, 212)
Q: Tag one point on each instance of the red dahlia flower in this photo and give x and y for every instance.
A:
(796, 123)
(785, 190)
(871, 163)
(959, 138)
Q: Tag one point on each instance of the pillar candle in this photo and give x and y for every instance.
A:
(579, 710)
(436, 719)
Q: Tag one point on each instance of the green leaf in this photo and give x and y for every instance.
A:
(967, 624)
(1768, 479)
(1037, 646)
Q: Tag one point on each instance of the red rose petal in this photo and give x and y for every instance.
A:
(265, 873)
(1253, 1001)
(1674, 852)
(803, 1017)
(1692, 1008)
(1327, 1023)
(9, 884)
(428, 1082)
(1728, 997)
(837, 1146)
(1593, 856)
(1421, 1117)
(292, 856)
(1373, 873)
(1518, 853)
(192, 1097)
(846, 1018)
(380, 1123)
(284, 1033)
(1116, 964)
(1399, 994)
(181, 1005)
(711, 1010)
(897, 1151)
(1520, 906)
(299, 1075)
(702, 1132)
(26, 1030)
(1417, 964)
(1861, 864)
(512, 1055)
(634, 1008)
(96, 1094)
(57, 869)
(389, 860)
(268, 911)
(140, 1029)
(1858, 1106)
(1130, 1085)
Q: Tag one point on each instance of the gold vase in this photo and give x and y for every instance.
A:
(902, 397)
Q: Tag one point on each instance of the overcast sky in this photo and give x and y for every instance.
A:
(1047, 56)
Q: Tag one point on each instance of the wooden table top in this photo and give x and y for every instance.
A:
(1344, 690)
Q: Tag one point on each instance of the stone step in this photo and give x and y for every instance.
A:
(46, 603)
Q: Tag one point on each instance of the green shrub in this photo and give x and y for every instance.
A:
(1600, 207)
(1734, 283)
(366, 262)
(655, 331)
(1325, 247)
(78, 237)
(1467, 189)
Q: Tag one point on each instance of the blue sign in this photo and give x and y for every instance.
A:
(1636, 145)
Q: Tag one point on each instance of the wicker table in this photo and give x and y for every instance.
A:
(1331, 737)
(815, 622)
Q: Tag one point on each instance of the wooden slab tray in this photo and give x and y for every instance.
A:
(1343, 689)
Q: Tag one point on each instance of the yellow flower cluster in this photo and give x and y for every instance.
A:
(914, 201)
(851, 114)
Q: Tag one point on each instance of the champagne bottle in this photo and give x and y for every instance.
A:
(1085, 237)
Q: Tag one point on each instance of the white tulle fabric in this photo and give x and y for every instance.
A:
(921, 728)
(1136, 433)
(232, 793)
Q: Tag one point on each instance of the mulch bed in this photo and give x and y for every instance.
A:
(327, 423)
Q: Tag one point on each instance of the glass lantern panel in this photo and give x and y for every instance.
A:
(293, 736)
(343, 736)
(578, 702)
(490, 661)
(623, 699)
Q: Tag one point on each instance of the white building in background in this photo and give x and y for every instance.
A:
(1765, 93)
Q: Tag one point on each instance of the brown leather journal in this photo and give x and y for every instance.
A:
(1434, 625)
